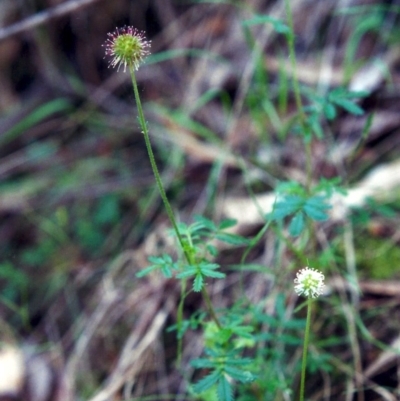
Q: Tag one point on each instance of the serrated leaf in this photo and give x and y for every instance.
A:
(329, 111)
(207, 223)
(202, 363)
(188, 272)
(207, 381)
(166, 271)
(297, 224)
(244, 331)
(212, 249)
(349, 106)
(212, 273)
(206, 265)
(243, 376)
(239, 362)
(198, 282)
(232, 239)
(227, 223)
(224, 390)
(315, 213)
(318, 202)
(289, 205)
(317, 129)
(145, 271)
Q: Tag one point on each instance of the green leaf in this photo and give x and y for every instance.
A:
(207, 381)
(343, 98)
(224, 390)
(212, 273)
(349, 106)
(212, 249)
(205, 222)
(146, 271)
(198, 282)
(232, 239)
(288, 205)
(297, 224)
(243, 376)
(329, 111)
(278, 25)
(163, 263)
(315, 208)
(188, 272)
(315, 213)
(227, 223)
(202, 363)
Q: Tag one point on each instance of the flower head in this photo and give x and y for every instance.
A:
(309, 282)
(127, 46)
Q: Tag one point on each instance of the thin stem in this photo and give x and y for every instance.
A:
(153, 163)
(305, 350)
(297, 92)
(143, 125)
(179, 319)
(210, 307)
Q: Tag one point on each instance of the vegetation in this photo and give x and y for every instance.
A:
(154, 240)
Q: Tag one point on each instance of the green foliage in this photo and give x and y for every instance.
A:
(199, 272)
(197, 240)
(299, 205)
(278, 25)
(327, 106)
(163, 263)
(224, 367)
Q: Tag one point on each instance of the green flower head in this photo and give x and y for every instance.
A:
(309, 283)
(127, 46)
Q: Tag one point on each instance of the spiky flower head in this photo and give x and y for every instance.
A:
(127, 46)
(309, 283)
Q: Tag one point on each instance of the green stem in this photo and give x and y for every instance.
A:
(297, 93)
(168, 208)
(179, 319)
(305, 350)
(210, 307)
(145, 131)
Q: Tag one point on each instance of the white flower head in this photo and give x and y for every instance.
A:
(309, 282)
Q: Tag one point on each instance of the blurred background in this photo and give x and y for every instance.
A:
(79, 211)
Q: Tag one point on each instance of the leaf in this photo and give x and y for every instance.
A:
(297, 224)
(343, 98)
(227, 223)
(232, 239)
(188, 272)
(315, 213)
(329, 111)
(201, 363)
(198, 282)
(163, 263)
(212, 249)
(205, 222)
(207, 381)
(224, 390)
(349, 106)
(243, 376)
(288, 205)
(145, 271)
(213, 273)
(315, 208)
